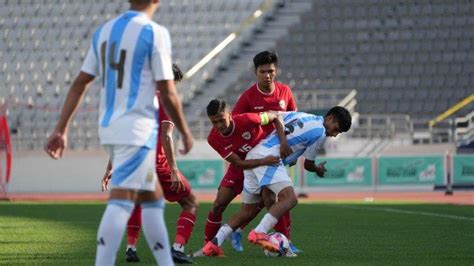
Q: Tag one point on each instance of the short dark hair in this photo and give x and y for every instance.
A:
(264, 58)
(342, 116)
(178, 75)
(215, 106)
(139, 2)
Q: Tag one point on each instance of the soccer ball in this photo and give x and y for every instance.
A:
(281, 240)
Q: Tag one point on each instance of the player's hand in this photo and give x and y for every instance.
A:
(56, 144)
(106, 179)
(285, 150)
(188, 141)
(271, 160)
(177, 184)
(321, 169)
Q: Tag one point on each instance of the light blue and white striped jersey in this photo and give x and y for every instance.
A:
(305, 134)
(129, 53)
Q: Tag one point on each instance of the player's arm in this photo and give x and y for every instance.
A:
(172, 105)
(57, 141)
(319, 169)
(235, 160)
(277, 121)
(107, 176)
(168, 147)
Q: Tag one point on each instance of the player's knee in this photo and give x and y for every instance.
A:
(292, 200)
(218, 207)
(190, 204)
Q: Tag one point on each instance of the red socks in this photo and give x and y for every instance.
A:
(213, 224)
(134, 225)
(284, 225)
(184, 227)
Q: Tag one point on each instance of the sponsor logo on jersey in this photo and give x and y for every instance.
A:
(246, 135)
(228, 146)
(282, 104)
(258, 108)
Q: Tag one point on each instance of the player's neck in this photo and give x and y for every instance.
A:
(266, 90)
(230, 130)
(148, 11)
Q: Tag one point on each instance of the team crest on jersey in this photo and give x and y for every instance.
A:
(282, 104)
(246, 135)
(149, 177)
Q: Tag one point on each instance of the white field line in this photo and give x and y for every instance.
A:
(422, 213)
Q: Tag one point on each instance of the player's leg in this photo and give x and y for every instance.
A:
(231, 185)
(214, 218)
(154, 226)
(186, 221)
(112, 225)
(249, 206)
(133, 230)
(125, 182)
(267, 200)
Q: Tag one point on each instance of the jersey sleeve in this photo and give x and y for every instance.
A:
(161, 55)
(291, 101)
(251, 120)
(218, 146)
(242, 104)
(315, 142)
(91, 64)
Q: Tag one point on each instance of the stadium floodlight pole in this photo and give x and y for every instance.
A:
(262, 8)
(469, 99)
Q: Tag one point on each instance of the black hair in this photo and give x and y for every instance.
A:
(139, 2)
(215, 106)
(264, 58)
(342, 116)
(178, 75)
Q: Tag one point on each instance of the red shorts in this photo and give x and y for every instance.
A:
(170, 195)
(233, 178)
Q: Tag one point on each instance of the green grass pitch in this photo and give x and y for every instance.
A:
(328, 234)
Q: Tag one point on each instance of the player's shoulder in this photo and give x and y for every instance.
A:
(212, 137)
(252, 89)
(282, 87)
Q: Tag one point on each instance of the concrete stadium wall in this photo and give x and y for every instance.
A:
(77, 171)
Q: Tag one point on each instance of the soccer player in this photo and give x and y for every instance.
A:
(266, 95)
(132, 56)
(176, 188)
(305, 134)
(232, 136)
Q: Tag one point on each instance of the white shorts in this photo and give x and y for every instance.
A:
(257, 178)
(133, 167)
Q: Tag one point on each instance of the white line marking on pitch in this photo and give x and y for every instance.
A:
(449, 216)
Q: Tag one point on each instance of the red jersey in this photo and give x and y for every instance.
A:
(162, 167)
(246, 134)
(254, 100)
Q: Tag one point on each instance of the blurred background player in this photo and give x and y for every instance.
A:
(305, 134)
(232, 136)
(176, 188)
(266, 95)
(132, 56)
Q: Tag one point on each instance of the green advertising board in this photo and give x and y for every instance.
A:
(342, 172)
(411, 170)
(202, 173)
(463, 169)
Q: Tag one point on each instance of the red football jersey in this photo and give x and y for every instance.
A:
(246, 134)
(162, 167)
(254, 100)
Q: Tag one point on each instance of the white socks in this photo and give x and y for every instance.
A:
(178, 247)
(111, 230)
(223, 233)
(267, 223)
(155, 231)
